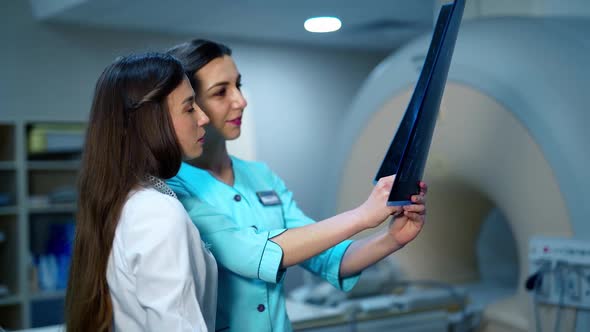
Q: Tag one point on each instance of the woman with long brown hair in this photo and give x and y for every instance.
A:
(138, 262)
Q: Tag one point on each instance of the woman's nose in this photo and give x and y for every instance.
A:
(239, 100)
(202, 118)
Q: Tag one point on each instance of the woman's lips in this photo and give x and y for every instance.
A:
(236, 121)
(201, 140)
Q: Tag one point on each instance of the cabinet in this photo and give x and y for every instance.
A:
(39, 163)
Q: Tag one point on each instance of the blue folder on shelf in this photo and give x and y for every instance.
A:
(408, 150)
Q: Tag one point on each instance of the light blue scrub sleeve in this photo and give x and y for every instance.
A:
(243, 251)
(325, 265)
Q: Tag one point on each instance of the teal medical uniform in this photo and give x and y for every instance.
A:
(237, 228)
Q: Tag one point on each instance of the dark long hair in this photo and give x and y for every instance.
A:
(195, 54)
(130, 135)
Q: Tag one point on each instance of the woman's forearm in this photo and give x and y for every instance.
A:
(301, 243)
(367, 251)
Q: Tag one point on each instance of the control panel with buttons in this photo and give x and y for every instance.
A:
(563, 267)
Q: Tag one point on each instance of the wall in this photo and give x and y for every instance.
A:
(297, 95)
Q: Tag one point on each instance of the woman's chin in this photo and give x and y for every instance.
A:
(234, 134)
(193, 155)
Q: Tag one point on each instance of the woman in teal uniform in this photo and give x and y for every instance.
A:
(249, 219)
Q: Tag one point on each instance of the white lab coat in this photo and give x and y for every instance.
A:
(160, 275)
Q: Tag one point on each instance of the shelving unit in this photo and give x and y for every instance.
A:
(36, 192)
(7, 166)
(11, 300)
(8, 210)
(65, 165)
(53, 208)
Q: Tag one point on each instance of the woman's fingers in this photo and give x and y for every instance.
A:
(419, 199)
(414, 216)
(387, 181)
(415, 208)
(423, 187)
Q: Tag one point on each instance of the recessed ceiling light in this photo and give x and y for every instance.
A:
(322, 24)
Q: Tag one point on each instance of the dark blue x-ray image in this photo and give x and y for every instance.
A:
(408, 150)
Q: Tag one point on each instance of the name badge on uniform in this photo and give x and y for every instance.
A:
(268, 198)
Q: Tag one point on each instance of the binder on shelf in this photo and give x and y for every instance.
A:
(47, 141)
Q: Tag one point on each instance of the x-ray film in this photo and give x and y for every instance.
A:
(408, 151)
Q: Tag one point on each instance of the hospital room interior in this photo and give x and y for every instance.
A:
(506, 243)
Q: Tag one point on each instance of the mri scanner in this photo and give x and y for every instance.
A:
(508, 159)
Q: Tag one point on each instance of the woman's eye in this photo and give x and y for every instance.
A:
(220, 93)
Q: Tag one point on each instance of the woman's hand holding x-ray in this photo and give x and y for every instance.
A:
(375, 210)
(408, 223)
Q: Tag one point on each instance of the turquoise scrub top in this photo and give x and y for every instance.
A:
(237, 228)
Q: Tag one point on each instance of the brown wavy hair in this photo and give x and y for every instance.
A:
(130, 135)
(197, 53)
